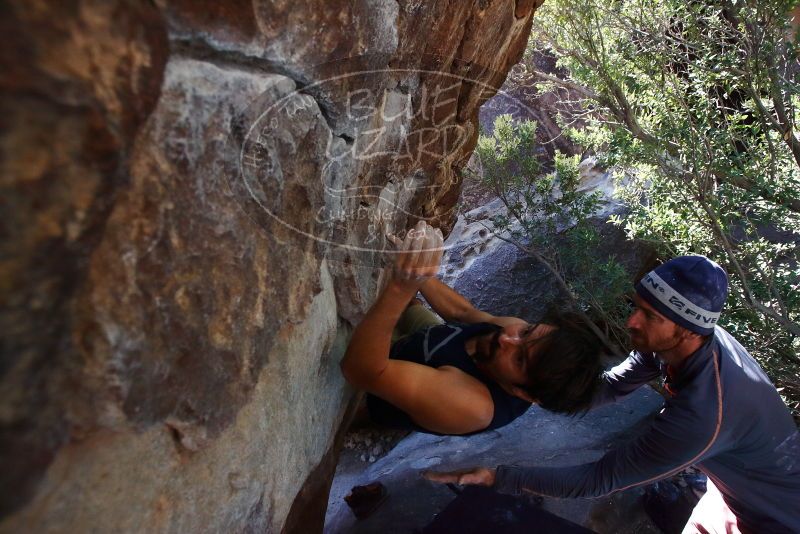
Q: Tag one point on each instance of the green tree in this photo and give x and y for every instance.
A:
(695, 103)
(549, 218)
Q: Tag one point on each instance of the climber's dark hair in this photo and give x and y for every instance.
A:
(565, 373)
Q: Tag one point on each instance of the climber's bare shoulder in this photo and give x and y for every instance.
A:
(444, 400)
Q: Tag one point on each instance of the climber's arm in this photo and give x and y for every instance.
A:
(417, 259)
(445, 400)
(454, 307)
(367, 356)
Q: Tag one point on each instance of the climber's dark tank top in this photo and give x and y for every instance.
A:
(437, 346)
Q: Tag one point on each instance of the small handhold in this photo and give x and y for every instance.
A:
(237, 480)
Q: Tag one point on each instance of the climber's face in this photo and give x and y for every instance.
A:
(507, 355)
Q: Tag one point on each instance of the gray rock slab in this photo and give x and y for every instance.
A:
(537, 438)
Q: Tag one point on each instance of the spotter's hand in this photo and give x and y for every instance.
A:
(477, 476)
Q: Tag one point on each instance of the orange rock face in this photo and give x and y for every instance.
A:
(194, 198)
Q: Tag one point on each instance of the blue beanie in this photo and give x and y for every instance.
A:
(689, 291)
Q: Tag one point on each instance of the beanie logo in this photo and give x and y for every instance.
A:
(686, 309)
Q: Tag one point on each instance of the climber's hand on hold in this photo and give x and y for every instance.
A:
(418, 256)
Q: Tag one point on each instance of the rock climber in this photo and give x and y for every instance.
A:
(471, 372)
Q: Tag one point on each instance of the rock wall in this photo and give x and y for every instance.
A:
(194, 199)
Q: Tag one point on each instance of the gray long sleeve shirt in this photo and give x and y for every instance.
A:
(725, 417)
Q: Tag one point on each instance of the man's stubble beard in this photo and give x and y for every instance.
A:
(667, 345)
(494, 343)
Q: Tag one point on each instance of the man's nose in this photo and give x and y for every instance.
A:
(510, 339)
(633, 319)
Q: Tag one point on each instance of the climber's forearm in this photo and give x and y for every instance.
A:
(449, 304)
(368, 352)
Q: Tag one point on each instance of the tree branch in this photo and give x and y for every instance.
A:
(612, 348)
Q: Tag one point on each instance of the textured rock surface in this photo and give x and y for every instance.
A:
(172, 324)
(537, 438)
(78, 80)
(497, 277)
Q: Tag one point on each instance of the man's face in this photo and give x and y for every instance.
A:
(650, 331)
(506, 354)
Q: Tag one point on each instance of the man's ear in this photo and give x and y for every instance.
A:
(522, 394)
(684, 333)
(688, 334)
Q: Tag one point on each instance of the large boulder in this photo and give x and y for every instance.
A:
(498, 277)
(537, 438)
(194, 199)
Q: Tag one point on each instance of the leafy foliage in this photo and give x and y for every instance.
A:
(696, 104)
(548, 217)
